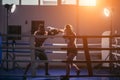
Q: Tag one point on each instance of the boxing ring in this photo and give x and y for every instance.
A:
(113, 61)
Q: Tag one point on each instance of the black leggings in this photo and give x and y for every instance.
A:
(40, 53)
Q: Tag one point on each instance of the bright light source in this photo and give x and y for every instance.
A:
(106, 12)
(87, 3)
(13, 7)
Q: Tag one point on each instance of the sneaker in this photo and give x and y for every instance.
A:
(78, 72)
(47, 74)
(65, 78)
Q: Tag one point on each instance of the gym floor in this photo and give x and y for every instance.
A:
(17, 74)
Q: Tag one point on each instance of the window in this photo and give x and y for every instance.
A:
(29, 2)
(10, 2)
(87, 2)
(48, 2)
(69, 1)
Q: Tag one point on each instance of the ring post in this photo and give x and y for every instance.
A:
(87, 56)
(33, 64)
(0, 49)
